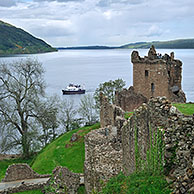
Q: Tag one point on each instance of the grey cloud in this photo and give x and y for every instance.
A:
(7, 3)
(61, 0)
(106, 3)
(52, 31)
(111, 22)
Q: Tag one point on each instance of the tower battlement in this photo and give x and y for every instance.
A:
(157, 75)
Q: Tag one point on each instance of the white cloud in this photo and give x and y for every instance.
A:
(107, 22)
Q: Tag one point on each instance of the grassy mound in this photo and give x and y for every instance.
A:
(62, 152)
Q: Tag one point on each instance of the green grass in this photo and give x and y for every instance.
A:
(137, 183)
(30, 192)
(128, 115)
(185, 108)
(81, 190)
(62, 152)
(5, 163)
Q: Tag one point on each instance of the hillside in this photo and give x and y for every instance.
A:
(172, 44)
(63, 152)
(16, 41)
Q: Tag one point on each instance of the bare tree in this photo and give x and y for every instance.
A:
(87, 109)
(47, 115)
(21, 87)
(68, 113)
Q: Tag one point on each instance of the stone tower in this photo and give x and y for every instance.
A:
(156, 75)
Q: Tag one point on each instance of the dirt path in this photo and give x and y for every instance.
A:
(7, 185)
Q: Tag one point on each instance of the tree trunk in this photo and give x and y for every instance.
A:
(25, 146)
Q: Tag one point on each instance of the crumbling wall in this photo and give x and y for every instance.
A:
(21, 172)
(128, 100)
(103, 157)
(156, 75)
(178, 139)
(63, 181)
(108, 112)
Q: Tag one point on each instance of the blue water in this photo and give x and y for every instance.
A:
(92, 67)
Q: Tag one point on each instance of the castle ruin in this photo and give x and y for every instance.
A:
(156, 75)
(153, 75)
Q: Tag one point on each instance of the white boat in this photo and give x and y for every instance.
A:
(74, 89)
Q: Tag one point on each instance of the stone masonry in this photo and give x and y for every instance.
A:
(108, 112)
(63, 181)
(103, 153)
(178, 139)
(103, 158)
(156, 75)
(21, 172)
(128, 100)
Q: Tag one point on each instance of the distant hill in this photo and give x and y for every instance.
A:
(86, 47)
(16, 41)
(172, 44)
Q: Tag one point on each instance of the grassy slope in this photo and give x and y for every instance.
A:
(137, 183)
(17, 41)
(56, 153)
(185, 108)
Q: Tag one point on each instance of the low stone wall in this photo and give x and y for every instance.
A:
(20, 172)
(178, 138)
(103, 157)
(128, 100)
(64, 181)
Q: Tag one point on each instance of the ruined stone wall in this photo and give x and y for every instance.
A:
(63, 181)
(178, 138)
(128, 100)
(103, 157)
(108, 112)
(20, 172)
(157, 75)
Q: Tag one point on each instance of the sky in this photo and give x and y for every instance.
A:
(101, 22)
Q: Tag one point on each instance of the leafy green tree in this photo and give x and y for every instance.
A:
(108, 89)
(21, 91)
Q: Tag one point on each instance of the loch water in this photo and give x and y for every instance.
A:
(92, 67)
